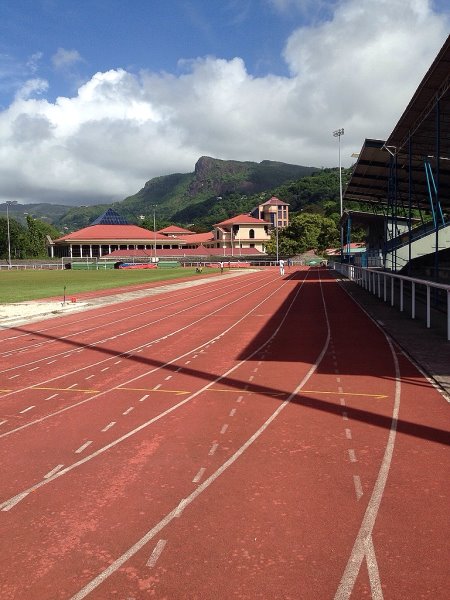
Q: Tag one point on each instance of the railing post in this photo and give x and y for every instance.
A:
(448, 315)
(379, 285)
(428, 306)
(413, 300)
(401, 295)
(392, 291)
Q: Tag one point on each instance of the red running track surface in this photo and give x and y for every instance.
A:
(250, 438)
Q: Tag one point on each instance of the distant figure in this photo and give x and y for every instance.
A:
(288, 262)
(281, 263)
(221, 267)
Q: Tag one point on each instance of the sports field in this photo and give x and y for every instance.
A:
(19, 286)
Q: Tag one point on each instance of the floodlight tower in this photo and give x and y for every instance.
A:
(338, 133)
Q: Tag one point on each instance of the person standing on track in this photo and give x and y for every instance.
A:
(281, 264)
(221, 267)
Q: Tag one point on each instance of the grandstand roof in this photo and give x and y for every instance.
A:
(369, 181)
(174, 229)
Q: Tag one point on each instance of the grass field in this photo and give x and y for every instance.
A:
(18, 286)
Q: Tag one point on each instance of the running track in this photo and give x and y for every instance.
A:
(253, 437)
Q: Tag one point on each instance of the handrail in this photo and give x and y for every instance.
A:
(376, 282)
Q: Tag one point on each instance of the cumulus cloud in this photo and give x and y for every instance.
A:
(357, 70)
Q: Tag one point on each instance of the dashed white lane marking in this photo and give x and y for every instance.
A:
(259, 363)
(3, 422)
(53, 471)
(232, 412)
(199, 475)
(338, 379)
(348, 434)
(372, 568)
(251, 378)
(358, 486)
(352, 455)
(239, 399)
(83, 447)
(180, 508)
(345, 415)
(89, 377)
(224, 428)
(342, 401)
(157, 387)
(13, 376)
(255, 370)
(213, 449)
(187, 362)
(144, 397)
(72, 386)
(340, 390)
(50, 362)
(117, 362)
(104, 369)
(156, 553)
(34, 369)
(168, 377)
(51, 397)
(195, 356)
(128, 410)
(26, 409)
(109, 426)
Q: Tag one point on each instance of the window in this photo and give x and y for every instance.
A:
(251, 234)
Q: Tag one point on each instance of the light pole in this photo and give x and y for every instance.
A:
(8, 204)
(154, 229)
(338, 133)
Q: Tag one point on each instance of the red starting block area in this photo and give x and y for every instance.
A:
(251, 437)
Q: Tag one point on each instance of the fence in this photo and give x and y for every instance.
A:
(419, 298)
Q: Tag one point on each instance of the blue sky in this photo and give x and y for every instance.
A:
(98, 96)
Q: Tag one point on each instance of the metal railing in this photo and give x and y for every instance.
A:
(399, 289)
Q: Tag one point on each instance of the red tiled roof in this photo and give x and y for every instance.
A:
(274, 201)
(242, 220)
(197, 238)
(175, 229)
(112, 233)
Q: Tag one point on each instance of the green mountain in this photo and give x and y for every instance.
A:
(174, 196)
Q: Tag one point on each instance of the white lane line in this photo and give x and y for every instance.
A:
(72, 386)
(340, 390)
(338, 379)
(342, 401)
(251, 377)
(104, 369)
(121, 560)
(255, 370)
(352, 455)
(117, 362)
(50, 362)
(180, 508)
(144, 398)
(187, 362)
(13, 501)
(213, 449)
(232, 412)
(109, 426)
(157, 387)
(372, 568)
(34, 369)
(195, 356)
(3, 422)
(224, 428)
(89, 377)
(128, 410)
(239, 399)
(53, 471)
(358, 487)
(83, 447)
(359, 549)
(348, 434)
(199, 475)
(168, 377)
(345, 415)
(259, 363)
(156, 553)
(26, 409)
(13, 376)
(51, 397)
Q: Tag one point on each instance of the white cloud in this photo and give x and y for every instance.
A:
(356, 71)
(63, 58)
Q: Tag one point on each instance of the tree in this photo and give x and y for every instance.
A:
(16, 234)
(306, 232)
(35, 238)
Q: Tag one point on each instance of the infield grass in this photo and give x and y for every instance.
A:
(18, 286)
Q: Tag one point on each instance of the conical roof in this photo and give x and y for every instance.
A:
(110, 217)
